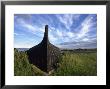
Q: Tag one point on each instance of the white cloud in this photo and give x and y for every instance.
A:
(85, 39)
(83, 31)
(85, 26)
(20, 21)
(24, 24)
(17, 34)
(82, 34)
(52, 38)
(67, 19)
(26, 44)
(70, 34)
(22, 45)
(59, 33)
(30, 27)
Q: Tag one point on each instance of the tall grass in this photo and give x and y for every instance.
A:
(22, 67)
(77, 64)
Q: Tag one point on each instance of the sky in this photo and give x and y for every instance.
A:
(69, 31)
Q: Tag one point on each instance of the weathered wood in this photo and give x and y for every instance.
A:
(44, 55)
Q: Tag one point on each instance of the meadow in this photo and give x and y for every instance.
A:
(77, 64)
(70, 64)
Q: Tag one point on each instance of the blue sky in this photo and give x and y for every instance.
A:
(69, 31)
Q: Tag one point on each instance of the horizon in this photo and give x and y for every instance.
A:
(66, 31)
(62, 48)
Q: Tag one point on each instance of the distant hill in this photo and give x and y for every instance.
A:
(75, 50)
(80, 50)
(22, 49)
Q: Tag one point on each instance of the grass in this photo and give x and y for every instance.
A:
(70, 64)
(77, 64)
(22, 67)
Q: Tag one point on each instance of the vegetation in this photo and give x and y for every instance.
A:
(77, 64)
(70, 64)
(22, 67)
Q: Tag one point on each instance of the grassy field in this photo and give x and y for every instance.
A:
(70, 64)
(77, 64)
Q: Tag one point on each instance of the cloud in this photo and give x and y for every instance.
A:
(67, 19)
(30, 42)
(81, 31)
(85, 39)
(85, 26)
(59, 33)
(29, 27)
(79, 44)
(18, 34)
(22, 23)
(70, 34)
(52, 38)
(17, 45)
(82, 38)
(65, 30)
